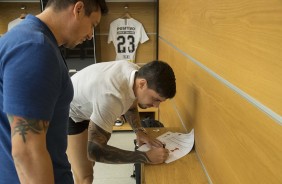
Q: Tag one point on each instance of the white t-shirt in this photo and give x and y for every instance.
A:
(103, 92)
(126, 35)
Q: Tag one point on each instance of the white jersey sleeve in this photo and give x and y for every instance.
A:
(126, 35)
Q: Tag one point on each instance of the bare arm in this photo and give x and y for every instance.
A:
(31, 158)
(133, 118)
(99, 151)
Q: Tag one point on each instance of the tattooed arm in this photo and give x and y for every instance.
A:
(133, 118)
(100, 151)
(31, 158)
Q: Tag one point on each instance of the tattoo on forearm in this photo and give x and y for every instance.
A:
(99, 151)
(112, 155)
(97, 134)
(23, 126)
(132, 116)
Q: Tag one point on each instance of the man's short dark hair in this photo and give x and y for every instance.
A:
(160, 77)
(89, 5)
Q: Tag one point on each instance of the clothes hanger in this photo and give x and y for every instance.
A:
(126, 15)
(22, 16)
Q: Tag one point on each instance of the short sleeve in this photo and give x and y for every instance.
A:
(111, 33)
(31, 81)
(144, 36)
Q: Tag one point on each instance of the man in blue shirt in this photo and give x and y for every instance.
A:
(36, 91)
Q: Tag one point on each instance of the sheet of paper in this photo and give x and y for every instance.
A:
(178, 144)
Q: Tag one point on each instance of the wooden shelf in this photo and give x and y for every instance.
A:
(124, 127)
(152, 112)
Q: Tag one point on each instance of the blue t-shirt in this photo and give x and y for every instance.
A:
(34, 83)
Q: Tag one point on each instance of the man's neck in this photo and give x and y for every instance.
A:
(55, 22)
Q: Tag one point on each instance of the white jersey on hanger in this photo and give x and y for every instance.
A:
(126, 35)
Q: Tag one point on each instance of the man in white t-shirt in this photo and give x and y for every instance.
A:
(126, 35)
(103, 92)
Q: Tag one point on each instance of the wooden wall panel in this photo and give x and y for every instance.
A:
(145, 13)
(240, 40)
(11, 11)
(169, 117)
(236, 142)
(185, 90)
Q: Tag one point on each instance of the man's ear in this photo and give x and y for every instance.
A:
(78, 9)
(142, 83)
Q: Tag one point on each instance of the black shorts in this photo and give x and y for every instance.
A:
(76, 128)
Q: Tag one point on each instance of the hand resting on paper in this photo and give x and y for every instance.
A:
(157, 155)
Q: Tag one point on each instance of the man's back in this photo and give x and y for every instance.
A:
(103, 92)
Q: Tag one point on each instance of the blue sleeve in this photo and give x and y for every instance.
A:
(31, 81)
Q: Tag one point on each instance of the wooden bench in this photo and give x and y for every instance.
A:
(185, 170)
